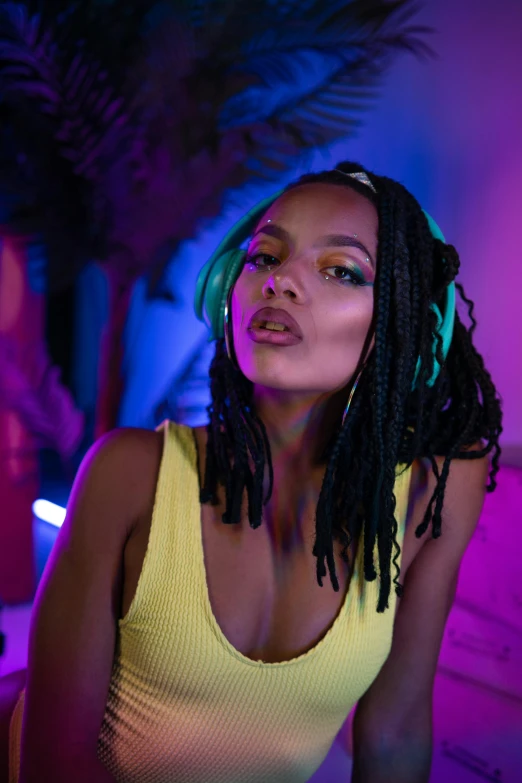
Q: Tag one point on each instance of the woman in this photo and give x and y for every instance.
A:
(349, 410)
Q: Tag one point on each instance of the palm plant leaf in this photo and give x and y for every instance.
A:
(348, 45)
(113, 100)
(286, 75)
(62, 118)
(47, 68)
(278, 77)
(27, 60)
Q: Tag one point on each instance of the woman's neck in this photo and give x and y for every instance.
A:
(298, 429)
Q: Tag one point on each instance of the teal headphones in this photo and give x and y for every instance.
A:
(217, 278)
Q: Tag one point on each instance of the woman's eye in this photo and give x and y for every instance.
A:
(344, 274)
(261, 260)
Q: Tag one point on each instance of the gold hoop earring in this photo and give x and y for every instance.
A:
(350, 397)
(227, 330)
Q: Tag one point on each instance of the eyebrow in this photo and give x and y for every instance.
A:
(330, 240)
(341, 240)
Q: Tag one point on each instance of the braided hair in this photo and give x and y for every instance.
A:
(389, 423)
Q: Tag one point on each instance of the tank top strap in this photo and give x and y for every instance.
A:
(171, 560)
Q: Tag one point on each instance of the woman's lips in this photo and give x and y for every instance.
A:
(275, 315)
(259, 335)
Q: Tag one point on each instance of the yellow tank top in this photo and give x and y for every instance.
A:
(185, 706)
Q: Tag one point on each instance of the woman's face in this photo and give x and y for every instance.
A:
(308, 257)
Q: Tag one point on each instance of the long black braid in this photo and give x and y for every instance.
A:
(388, 423)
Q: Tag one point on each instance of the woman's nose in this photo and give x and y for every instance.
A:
(285, 281)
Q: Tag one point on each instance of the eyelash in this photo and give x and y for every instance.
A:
(356, 277)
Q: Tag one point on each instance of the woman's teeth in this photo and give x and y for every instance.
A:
(274, 327)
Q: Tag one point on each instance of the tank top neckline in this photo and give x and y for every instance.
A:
(316, 649)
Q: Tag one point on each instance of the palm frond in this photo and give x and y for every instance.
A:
(62, 119)
(27, 60)
(108, 107)
(54, 70)
(315, 75)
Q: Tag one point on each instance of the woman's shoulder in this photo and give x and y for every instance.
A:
(123, 465)
(126, 450)
(423, 475)
(138, 439)
(464, 490)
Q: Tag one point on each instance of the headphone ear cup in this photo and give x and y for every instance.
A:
(446, 322)
(436, 368)
(210, 277)
(445, 328)
(214, 288)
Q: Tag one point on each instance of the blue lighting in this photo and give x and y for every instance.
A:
(49, 512)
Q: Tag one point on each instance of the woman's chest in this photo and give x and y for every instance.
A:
(269, 607)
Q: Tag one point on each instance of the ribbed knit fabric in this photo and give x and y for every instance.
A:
(185, 706)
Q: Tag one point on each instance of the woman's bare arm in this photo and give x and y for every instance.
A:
(392, 728)
(74, 620)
